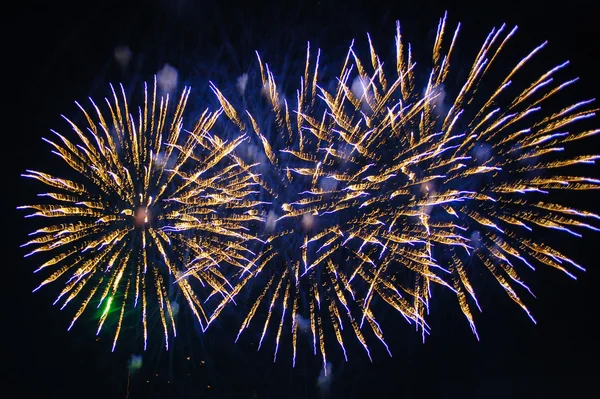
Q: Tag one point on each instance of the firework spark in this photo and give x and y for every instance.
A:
(399, 187)
(151, 207)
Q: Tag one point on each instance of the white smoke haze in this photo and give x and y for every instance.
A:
(123, 56)
(241, 84)
(482, 153)
(266, 90)
(303, 324)
(167, 78)
(439, 105)
(254, 154)
(162, 162)
(328, 184)
(308, 221)
(360, 89)
(271, 222)
(324, 380)
(475, 239)
(174, 308)
(135, 363)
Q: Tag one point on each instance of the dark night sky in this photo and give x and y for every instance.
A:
(64, 52)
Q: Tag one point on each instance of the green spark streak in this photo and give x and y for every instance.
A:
(107, 308)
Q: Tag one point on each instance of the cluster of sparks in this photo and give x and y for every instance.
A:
(381, 190)
(404, 186)
(127, 224)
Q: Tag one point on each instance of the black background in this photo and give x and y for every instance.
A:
(62, 52)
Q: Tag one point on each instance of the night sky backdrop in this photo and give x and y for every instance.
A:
(63, 52)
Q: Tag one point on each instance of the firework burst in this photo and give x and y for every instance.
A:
(392, 188)
(151, 214)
